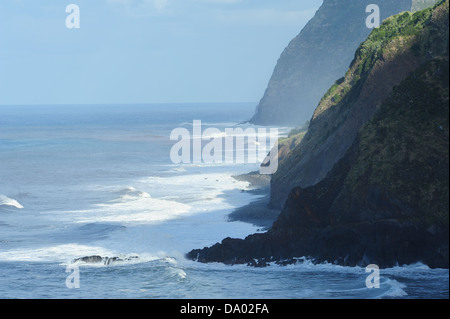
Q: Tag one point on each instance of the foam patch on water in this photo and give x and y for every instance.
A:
(82, 255)
(6, 201)
(396, 289)
(158, 199)
(204, 190)
(60, 253)
(137, 208)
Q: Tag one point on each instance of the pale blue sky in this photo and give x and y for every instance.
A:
(144, 51)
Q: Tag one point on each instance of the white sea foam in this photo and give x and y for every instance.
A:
(200, 189)
(177, 272)
(61, 253)
(126, 210)
(126, 206)
(130, 193)
(395, 289)
(68, 253)
(6, 201)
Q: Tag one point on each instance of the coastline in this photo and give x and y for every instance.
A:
(258, 211)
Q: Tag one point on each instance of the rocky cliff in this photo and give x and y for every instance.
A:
(385, 201)
(318, 56)
(380, 63)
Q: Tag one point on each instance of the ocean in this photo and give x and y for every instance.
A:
(98, 180)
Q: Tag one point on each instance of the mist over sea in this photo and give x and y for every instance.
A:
(97, 180)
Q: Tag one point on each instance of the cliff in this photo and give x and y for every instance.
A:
(381, 62)
(313, 60)
(385, 201)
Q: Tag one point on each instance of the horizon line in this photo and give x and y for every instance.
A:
(126, 103)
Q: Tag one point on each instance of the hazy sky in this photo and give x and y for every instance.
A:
(144, 51)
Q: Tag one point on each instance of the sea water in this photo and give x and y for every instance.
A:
(97, 180)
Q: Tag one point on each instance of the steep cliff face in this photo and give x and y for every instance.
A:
(388, 55)
(318, 56)
(386, 200)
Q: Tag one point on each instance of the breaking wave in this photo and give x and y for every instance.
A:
(6, 201)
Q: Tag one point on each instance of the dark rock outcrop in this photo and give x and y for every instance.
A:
(95, 259)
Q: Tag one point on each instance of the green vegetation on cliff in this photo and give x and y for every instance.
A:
(403, 150)
(421, 31)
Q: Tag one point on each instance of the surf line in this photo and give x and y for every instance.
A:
(227, 147)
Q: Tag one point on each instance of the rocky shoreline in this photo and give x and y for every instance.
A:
(308, 228)
(258, 212)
